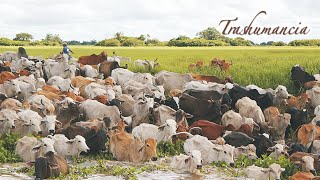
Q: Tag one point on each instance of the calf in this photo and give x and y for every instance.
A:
(51, 165)
(29, 148)
(272, 172)
(161, 133)
(307, 162)
(93, 59)
(249, 151)
(72, 147)
(278, 122)
(298, 118)
(209, 152)
(235, 119)
(262, 143)
(7, 118)
(277, 150)
(191, 163)
(298, 102)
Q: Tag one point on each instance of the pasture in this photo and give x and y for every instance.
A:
(263, 66)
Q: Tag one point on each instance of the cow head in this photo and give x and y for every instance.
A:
(274, 171)
(79, 144)
(13, 86)
(33, 125)
(44, 146)
(194, 159)
(150, 147)
(307, 163)
(49, 123)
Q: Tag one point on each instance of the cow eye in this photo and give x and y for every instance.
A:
(79, 141)
(32, 124)
(225, 152)
(148, 145)
(45, 144)
(192, 156)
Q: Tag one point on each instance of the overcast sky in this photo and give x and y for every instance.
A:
(162, 19)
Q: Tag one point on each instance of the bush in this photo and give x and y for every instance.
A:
(130, 41)
(305, 42)
(9, 42)
(109, 42)
(279, 43)
(7, 149)
(196, 42)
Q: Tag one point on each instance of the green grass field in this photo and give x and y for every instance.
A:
(263, 66)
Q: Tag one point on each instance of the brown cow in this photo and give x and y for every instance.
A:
(199, 64)
(212, 78)
(93, 59)
(297, 159)
(298, 102)
(304, 176)
(222, 64)
(81, 82)
(106, 67)
(211, 130)
(175, 92)
(306, 132)
(133, 150)
(74, 96)
(6, 76)
(110, 81)
(51, 95)
(101, 98)
(51, 89)
(311, 84)
(191, 66)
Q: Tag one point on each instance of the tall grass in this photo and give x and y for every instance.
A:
(263, 66)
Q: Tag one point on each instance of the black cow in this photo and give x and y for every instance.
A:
(262, 143)
(298, 118)
(238, 139)
(210, 95)
(51, 165)
(201, 108)
(300, 76)
(69, 114)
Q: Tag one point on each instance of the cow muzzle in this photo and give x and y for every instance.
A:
(199, 166)
(13, 126)
(313, 171)
(232, 164)
(51, 131)
(154, 158)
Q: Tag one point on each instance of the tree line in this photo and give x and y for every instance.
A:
(208, 37)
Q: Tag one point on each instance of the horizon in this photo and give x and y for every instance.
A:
(165, 20)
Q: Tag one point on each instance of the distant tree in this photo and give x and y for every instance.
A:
(142, 37)
(73, 42)
(23, 37)
(53, 38)
(210, 33)
(263, 44)
(182, 37)
(269, 43)
(119, 36)
(279, 43)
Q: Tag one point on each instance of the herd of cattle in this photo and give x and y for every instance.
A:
(79, 105)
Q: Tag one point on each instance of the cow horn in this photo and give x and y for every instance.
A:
(187, 133)
(195, 128)
(71, 86)
(41, 101)
(156, 60)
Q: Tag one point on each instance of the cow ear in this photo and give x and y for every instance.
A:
(141, 148)
(161, 128)
(265, 170)
(282, 169)
(36, 148)
(189, 115)
(70, 141)
(297, 162)
(187, 160)
(270, 149)
(58, 122)
(217, 148)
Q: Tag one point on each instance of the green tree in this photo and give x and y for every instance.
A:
(23, 37)
(53, 38)
(210, 33)
(119, 36)
(142, 37)
(182, 37)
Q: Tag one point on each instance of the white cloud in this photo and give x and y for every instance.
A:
(163, 19)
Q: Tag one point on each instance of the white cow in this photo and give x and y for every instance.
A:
(63, 69)
(29, 148)
(277, 151)
(91, 72)
(41, 105)
(20, 64)
(210, 152)
(249, 108)
(314, 95)
(210, 86)
(62, 84)
(172, 80)
(249, 151)
(26, 90)
(142, 108)
(121, 75)
(231, 117)
(72, 147)
(7, 118)
(92, 109)
(48, 124)
(272, 172)
(146, 64)
(9, 56)
(191, 162)
(159, 133)
(10, 88)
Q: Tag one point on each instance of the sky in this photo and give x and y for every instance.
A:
(161, 19)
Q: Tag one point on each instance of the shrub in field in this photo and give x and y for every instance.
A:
(109, 42)
(9, 42)
(7, 149)
(305, 42)
(170, 149)
(131, 41)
